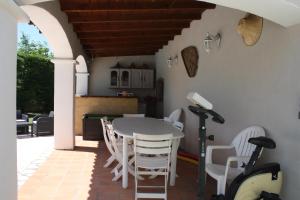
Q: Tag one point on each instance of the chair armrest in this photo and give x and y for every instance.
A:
(232, 159)
(24, 116)
(35, 118)
(44, 118)
(167, 119)
(209, 150)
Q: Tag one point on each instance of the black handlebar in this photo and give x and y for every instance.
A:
(198, 110)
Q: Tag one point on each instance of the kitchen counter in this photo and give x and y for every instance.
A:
(110, 105)
(109, 96)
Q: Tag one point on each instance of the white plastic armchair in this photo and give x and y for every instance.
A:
(178, 125)
(243, 150)
(174, 116)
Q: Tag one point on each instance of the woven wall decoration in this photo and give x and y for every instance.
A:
(250, 28)
(190, 58)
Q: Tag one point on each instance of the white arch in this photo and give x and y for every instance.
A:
(51, 29)
(283, 12)
(82, 77)
(81, 64)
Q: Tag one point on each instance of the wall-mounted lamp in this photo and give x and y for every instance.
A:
(209, 39)
(172, 61)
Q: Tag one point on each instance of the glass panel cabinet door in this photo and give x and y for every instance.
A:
(114, 78)
(125, 78)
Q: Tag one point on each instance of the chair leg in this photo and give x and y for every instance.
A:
(221, 186)
(132, 172)
(154, 176)
(117, 176)
(116, 168)
(109, 161)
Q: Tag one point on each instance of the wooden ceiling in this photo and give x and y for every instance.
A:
(130, 27)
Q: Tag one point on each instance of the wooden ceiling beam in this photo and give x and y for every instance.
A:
(122, 52)
(129, 49)
(124, 43)
(137, 38)
(113, 54)
(79, 5)
(133, 15)
(140, 33)
(125, 25)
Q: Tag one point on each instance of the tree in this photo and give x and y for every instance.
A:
(35, 76)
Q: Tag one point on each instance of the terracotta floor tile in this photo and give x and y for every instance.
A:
(80, 175)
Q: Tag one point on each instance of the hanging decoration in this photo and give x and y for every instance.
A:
(250, 28)
(190, 59)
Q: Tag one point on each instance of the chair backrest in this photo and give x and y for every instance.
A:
(19, 114)
(133, 115)
(178, 125)
(152, 144)
(241, 144)
(113, 139)
(106, 135)
(51, 114)
(175, 115)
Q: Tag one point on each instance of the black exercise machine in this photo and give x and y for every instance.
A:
(256, 183)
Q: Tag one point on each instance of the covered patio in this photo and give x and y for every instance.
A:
(79, 175)
(255, 84)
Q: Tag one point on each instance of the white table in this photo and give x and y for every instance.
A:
(125, 127)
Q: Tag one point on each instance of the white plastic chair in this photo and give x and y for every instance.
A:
(174, 116)
(178, 125)
(133, 115)
(117, 147)
(152, 157)
(243, 150)
(108, 143)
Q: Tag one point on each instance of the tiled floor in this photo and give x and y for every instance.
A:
(79, 175)
(32, 152)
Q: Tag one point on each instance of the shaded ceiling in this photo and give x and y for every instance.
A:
(130, 27)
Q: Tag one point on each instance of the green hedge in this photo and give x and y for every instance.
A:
(35, 83)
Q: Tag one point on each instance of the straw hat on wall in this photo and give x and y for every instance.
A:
(250, 28)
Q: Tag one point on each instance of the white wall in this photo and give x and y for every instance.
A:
(99, 79)
(247, 85)
(8, 57)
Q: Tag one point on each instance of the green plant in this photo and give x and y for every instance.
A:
(35, 77)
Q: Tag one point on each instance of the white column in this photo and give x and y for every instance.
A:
(10, 15)
(64, 103)
(82, 83)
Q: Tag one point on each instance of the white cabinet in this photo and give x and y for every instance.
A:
(136, 78)
(120, 78)
(114, 78)
(142, 78)
(125, 78)
(131, 78)
(148, 78)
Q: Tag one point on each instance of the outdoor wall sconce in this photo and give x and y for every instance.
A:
(172, 61)
(209, 39)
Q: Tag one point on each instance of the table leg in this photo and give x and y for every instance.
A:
(175, 145)
(125, 164)
(31, 131)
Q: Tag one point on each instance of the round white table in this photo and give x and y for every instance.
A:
(125, 127)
